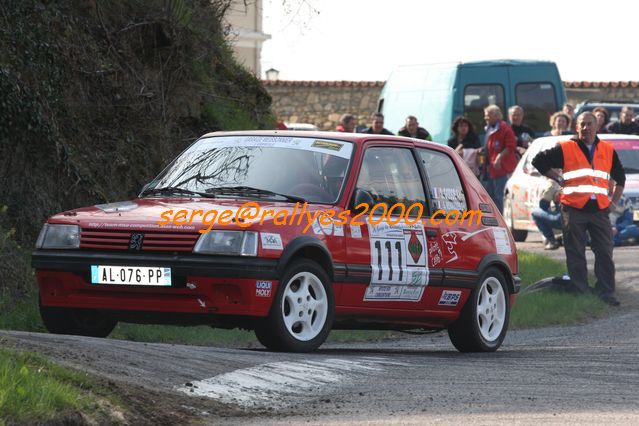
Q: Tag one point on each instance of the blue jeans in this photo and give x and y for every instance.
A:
(625, 232)
(547, 221)
(495, 188)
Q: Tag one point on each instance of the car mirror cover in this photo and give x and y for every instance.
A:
(361, 196)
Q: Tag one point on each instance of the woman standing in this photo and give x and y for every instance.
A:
(466, 142)
(560, 124)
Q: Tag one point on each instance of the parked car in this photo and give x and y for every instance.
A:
(614, 108)
(437, 93)
(525, 187)
(158, 259)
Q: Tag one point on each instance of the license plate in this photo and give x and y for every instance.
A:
(635, 215)
(130, 275)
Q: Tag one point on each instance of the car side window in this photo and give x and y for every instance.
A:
(391, 176)
(446, 190)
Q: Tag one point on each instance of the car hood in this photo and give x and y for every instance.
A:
(146, 213)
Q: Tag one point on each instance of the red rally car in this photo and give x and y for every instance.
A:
(272, 260)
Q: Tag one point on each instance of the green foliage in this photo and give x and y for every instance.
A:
(96, 97)
(33, 390)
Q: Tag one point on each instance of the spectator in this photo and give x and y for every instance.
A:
(466, 142)
(411, 129)
(560, 125)
(346, 123)
(377, 127)
(603, 118)
(569, 110)
(548, 218)
(623, 228)
(588, 165)
(501, 145)
(625, 125)
(524, 134)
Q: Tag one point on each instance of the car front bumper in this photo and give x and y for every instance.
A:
(201, 284)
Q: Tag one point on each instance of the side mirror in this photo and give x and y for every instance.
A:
(361, 196)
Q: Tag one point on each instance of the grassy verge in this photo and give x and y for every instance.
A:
(547, 307)
(33, 390)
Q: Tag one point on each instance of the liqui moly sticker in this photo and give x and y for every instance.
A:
(263, 288)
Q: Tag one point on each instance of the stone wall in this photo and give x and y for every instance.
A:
(322, 102)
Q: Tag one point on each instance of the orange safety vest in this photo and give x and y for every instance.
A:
(583, 179)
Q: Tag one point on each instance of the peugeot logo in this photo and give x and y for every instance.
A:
(135, 243)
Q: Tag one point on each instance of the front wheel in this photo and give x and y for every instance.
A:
(483, 322)
(302, 312)
(80, 322)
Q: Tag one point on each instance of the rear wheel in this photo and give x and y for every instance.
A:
(80, 322)
(302, 312)
(519, 235)
(483, 322)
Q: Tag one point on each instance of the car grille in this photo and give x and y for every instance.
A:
(101, 239)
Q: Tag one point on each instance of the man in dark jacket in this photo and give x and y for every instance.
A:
(377, 128)
(625, 125)
(411, 129)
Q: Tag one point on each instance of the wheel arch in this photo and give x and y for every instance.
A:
(496, 261)
(310, 248)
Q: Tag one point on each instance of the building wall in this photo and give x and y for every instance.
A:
(246, 35)
(322, 102)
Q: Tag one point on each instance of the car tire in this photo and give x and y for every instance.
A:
(483, 322)
(302, 312)
(79, 322)
(519, 235)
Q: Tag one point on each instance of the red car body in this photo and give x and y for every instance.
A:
(239, 291)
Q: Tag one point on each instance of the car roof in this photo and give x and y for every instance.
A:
(356, 138)
(550, 141)
(612, 105)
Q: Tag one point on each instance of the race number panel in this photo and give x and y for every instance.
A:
(398, 262)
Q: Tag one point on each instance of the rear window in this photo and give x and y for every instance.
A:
(479, 96)
(538, 102)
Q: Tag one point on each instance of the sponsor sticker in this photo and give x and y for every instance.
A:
(356, 231)
(333, 146)
(263, 288)
(449, 298)
(271, 241)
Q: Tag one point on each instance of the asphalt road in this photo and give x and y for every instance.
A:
(582, 374)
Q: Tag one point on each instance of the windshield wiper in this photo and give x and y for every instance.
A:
(249, 190)
(174, 190)
(630, 170)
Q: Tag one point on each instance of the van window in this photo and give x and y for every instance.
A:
(479, 96)
(538, 102)
(446, 189)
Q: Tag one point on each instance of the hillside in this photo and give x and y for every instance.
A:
(96, 97)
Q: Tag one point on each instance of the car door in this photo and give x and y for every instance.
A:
(462, 242)
(389, 254)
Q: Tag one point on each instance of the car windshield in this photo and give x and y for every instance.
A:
(292, 168)
(628, 152)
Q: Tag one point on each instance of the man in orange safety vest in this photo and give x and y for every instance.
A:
(591, 169)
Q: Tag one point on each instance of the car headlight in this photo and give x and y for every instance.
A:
(59, 237)
(239, 243)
